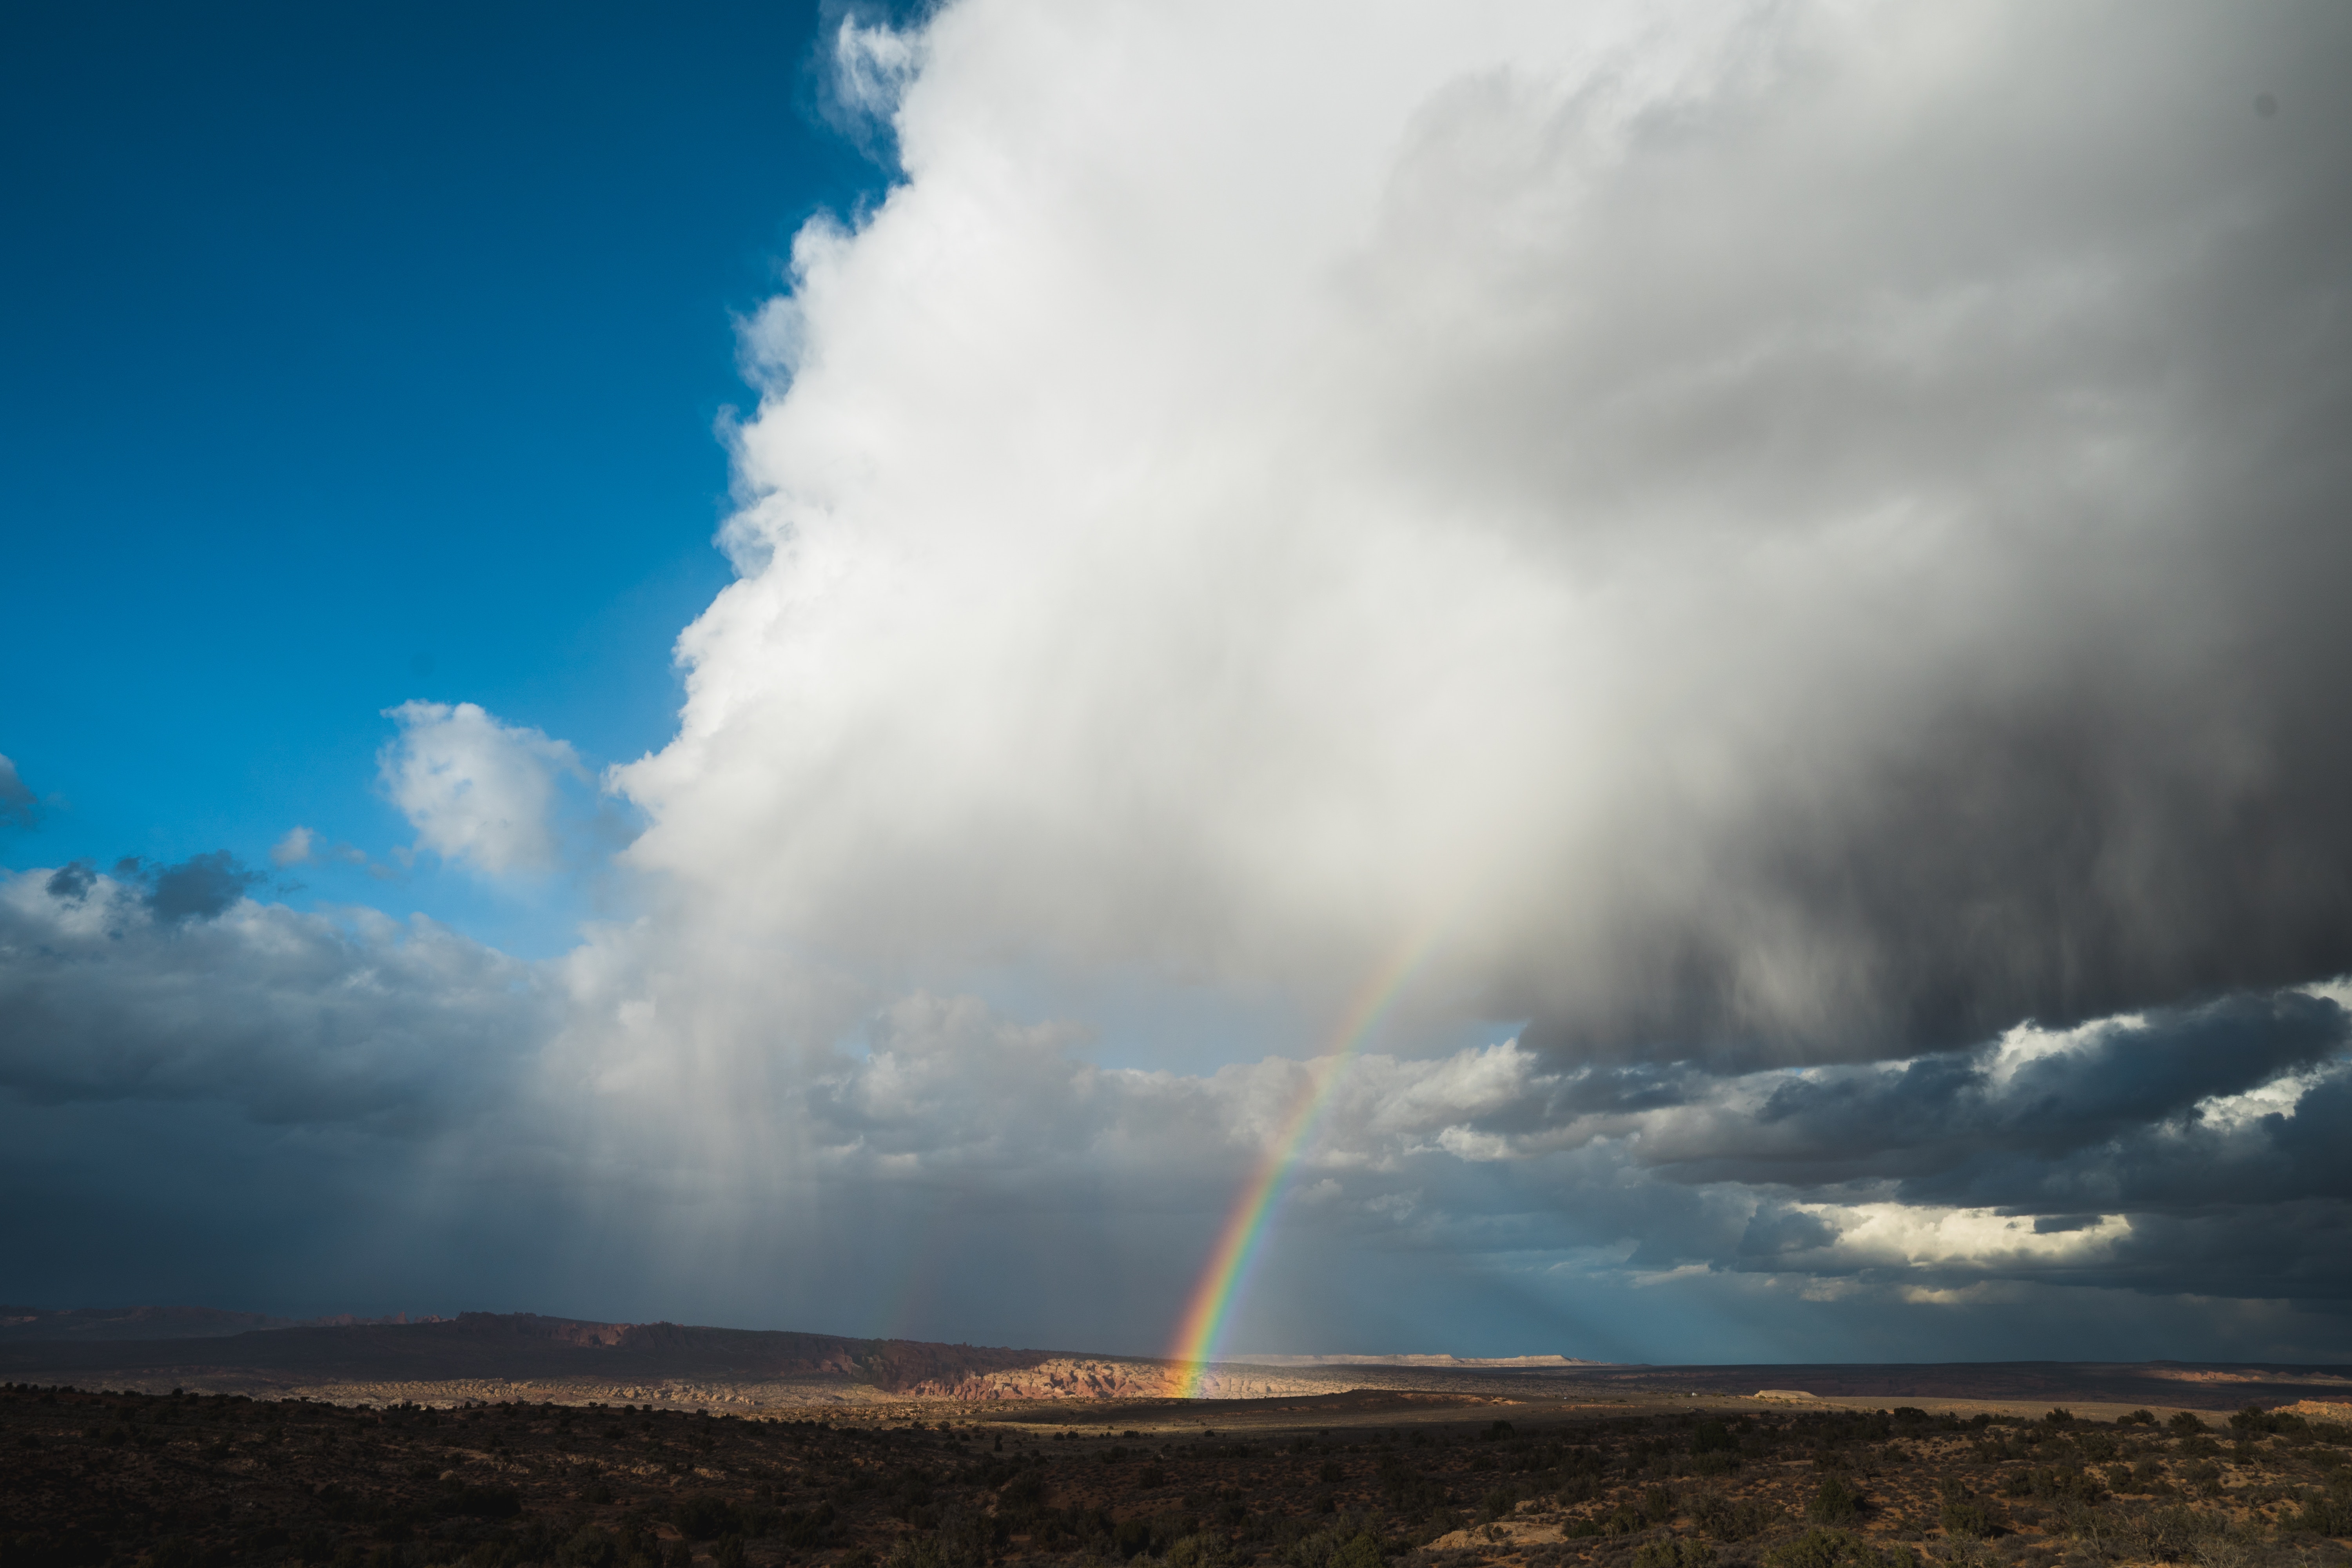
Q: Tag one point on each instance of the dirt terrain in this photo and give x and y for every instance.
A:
(1364, 1478)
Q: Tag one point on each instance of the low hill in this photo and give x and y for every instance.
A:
(23, 1325)
(509, 1346)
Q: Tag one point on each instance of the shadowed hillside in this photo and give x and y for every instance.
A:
(479, 1345)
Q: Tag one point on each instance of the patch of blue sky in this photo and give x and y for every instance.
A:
(367, 355)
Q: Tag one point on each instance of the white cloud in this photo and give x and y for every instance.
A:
(1676, 498)
(1744, 533)
(474, 788)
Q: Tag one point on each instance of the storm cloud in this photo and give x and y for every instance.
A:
(1782, 533)
(1770, 571)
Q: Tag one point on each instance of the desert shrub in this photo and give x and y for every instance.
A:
(2254, 1418)
(804, 1528)
(2163, 1534)
(1832, 1502)
(730, 1554)
(2328, 1512)
(2061, 1416)
(702, 1516)
(588, 1548)
(1822, 1548)
(1500, 1503)
(1815, 1549)
(1659, 1504)
(2185, 1421)
(1623, 1520)
(484, 1502)
(1964, 1518)
(1727, 1521)
(1712, 1438)
(1195, 1552)
(2097, 1445)
(2138, 1419)
(1675, 1554)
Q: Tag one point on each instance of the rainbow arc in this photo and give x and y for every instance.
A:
(1200, 1335)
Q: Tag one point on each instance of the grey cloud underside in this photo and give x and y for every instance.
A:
(1788, 555)
(2065, 1129)
(2085, 752)
(183, 990)
(429, 1048)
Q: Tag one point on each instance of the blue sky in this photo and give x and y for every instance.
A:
(799, 669)
(371, 354)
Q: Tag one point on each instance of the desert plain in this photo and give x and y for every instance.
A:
(494, 1442)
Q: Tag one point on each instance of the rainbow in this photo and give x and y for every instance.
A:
(1199, 1334)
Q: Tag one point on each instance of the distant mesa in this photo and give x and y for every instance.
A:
(111, 1324)
(1441, 1361)
(492, 1356)
(86, 1324)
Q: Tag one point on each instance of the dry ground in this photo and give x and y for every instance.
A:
(1349, 1480)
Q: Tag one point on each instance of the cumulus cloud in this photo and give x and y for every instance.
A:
(172, 986)
(1771, 559)
(1787, 545)
(1790, 547)
(475, 789)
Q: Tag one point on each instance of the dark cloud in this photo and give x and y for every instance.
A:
(1977, 1127)
(198, 889)
(179, 992)
(71, 881)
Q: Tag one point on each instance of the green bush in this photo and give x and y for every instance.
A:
(2185, 1421)
(2327, 1514)
(1713, 1438)
(702, 1516)
(1816, 1548)
(1820, 1548)
(1728, 1520)
(1964, 1518)
(1833, 1502)
(1676, 1554)
(588, 1548)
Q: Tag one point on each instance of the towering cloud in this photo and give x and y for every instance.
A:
(1784, 557)
(1779, 533)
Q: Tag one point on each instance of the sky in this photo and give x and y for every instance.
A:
(841, 669)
